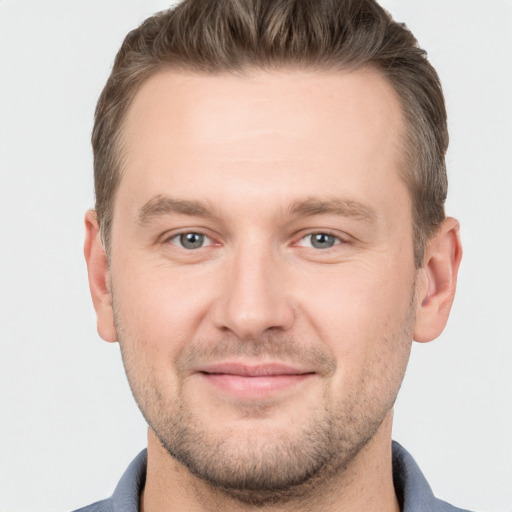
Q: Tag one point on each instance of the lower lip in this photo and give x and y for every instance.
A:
(245, 386)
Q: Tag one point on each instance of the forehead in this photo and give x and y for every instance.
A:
(284, 98)
(297, 129)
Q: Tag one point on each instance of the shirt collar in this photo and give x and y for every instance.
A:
(411, 487)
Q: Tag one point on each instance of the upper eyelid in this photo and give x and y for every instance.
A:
(190, 232)
(342, 237)
(297, 237)
(208, 241)
(168, 235)
(339, 239)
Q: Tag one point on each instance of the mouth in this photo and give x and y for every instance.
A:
(254, 381)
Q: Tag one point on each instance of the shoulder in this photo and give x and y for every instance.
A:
(127, 493)
(412, 489)
(442, 506)
(99, 506)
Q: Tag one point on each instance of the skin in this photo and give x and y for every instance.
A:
(259, 164)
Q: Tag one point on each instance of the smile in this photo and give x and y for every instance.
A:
(254, 381)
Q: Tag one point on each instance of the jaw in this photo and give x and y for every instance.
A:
(332, 488)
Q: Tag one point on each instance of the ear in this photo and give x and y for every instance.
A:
(437, 281)
(99, 278)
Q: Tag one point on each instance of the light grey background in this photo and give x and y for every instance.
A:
(68, 424)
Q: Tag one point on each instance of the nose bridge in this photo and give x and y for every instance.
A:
(254, 297)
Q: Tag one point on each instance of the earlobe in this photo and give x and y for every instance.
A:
(99, 278)
(437, 281)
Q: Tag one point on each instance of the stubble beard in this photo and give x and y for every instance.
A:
(282, 466)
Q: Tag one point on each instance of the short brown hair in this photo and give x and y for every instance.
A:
(212, 36)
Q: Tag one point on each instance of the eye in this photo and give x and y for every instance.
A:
(319, 241)
(190, 241)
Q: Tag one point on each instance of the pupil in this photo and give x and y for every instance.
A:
(322, 240)
(191, 240)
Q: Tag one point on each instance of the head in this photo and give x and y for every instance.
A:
(235, 36)
(269, 234)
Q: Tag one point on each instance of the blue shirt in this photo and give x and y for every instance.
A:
(412, 489)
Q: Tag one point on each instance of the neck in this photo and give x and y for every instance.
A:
(365, 485)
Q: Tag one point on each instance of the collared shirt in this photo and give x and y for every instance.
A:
(412, 489)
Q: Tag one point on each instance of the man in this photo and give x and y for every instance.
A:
(268, 239)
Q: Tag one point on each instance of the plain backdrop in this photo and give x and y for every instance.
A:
(68, 423)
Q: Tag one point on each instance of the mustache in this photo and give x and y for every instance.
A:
(270, 348)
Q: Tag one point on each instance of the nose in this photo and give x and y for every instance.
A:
(254, 299)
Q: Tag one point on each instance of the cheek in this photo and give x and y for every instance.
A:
(359, 307)
(159, 304)
(365, 323)
(156, 317)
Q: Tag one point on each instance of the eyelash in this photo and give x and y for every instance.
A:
(337, 240)
(179, 237)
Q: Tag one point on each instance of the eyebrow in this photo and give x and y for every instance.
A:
(335, 206)
(164, 205)
(308, 207)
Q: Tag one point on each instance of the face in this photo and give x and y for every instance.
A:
(262, 270)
